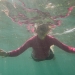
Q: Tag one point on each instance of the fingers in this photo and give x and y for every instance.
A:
(1, 50)
(2, 53)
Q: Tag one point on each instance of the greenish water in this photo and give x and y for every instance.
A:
(12, 36)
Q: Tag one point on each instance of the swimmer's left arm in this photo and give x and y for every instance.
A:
(63, 46)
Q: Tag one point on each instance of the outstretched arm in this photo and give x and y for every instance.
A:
(63, 46)
(17, 51)
(3, 53)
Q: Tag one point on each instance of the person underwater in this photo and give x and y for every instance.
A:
(41, 44)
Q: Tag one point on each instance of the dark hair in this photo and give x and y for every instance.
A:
(43, 27)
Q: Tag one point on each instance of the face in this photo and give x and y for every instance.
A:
(42, 31)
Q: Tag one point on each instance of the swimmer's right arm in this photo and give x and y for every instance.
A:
(4, 53)
(16, 52)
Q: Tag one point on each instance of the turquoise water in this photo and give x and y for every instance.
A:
(12, 36)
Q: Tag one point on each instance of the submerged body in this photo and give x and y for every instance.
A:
(40, 43)
(41, 24)
(41, 47)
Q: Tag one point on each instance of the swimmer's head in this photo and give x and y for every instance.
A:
(42, 30)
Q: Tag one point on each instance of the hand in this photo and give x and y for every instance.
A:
(3, 53)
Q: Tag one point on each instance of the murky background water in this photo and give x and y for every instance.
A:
(12, 36)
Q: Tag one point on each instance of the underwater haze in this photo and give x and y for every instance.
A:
(13, 36)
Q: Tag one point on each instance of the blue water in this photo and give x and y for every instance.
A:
(12, 36)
